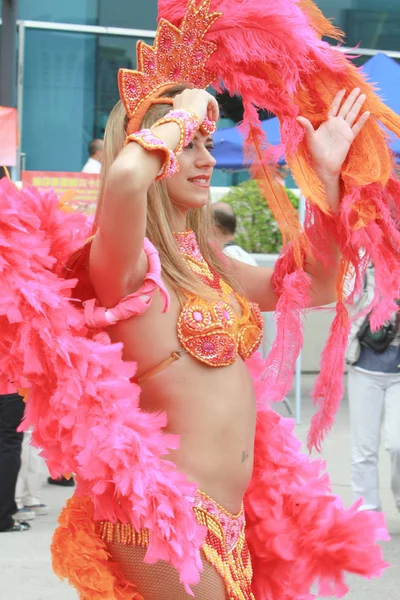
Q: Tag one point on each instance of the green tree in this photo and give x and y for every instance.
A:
(257, 230)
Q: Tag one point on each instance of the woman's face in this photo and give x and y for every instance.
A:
(190, 187)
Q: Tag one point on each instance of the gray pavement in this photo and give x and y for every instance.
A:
(25, 566)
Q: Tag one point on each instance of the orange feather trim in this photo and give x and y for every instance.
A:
(276, 196)
(81, 556)
(321, 24)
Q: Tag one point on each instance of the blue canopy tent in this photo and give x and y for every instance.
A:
(228, 144)
(382, 71)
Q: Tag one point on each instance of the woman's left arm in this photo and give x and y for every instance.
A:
(329, 146)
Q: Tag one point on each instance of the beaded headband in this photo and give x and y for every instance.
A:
(178, 56)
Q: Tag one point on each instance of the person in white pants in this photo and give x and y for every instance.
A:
(374, 399)
(30, 481)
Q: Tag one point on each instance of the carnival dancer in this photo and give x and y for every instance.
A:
(191, 357)
(183, 487)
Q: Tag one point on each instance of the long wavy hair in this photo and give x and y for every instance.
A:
(175, 270)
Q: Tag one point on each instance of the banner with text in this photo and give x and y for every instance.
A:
(79, 190)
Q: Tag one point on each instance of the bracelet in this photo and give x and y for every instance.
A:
(188, 123)
(149, 141)
(208, 127)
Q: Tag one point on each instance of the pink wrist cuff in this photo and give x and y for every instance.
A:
(150, 142)
(188, 123)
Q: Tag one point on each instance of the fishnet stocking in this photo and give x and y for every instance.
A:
(161, 581)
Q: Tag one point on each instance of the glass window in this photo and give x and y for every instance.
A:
(70, 87)
(113, 53)
(59, 99)
(373, 29)
(366, 22)
(81, 12)
(132, 14)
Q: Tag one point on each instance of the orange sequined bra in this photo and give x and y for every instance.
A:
(212, 331)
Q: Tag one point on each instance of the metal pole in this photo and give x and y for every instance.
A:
(20, 91)
(302, 214)
(298, 390)
(8, 60)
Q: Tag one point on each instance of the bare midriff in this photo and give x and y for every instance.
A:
(211, 408)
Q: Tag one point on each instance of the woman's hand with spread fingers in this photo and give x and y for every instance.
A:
(331, 142)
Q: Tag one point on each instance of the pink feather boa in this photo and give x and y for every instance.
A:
(298, 533)
(83, 408)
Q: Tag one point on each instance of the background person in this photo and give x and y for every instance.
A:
(93, 165)
(30, 479)
(225, 228)
(374, 399)
(11, 412)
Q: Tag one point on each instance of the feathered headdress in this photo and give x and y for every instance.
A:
(272, 55)
(178, 56)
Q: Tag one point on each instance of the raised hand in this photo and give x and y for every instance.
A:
(330, 143)
(200, 102)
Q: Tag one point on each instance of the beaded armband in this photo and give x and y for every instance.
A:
(149, 141)
(188, 123)
(208, 127)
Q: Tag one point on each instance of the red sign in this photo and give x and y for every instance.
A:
(80, 190)
(8, 136)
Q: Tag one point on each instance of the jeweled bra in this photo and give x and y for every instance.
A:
(212, 331)
(209, 330)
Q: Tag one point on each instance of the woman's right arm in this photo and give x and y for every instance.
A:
(118, 263)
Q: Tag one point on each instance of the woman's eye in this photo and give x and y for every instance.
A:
(191, 146)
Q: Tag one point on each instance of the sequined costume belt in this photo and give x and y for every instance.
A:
(225, 546)
(226, 526)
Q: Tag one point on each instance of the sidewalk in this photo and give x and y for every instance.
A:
(25, 566)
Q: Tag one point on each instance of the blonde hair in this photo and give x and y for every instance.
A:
(175, 270)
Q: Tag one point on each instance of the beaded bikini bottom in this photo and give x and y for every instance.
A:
(225, 546)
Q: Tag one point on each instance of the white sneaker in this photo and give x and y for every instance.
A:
(24, 514)
(39, 509)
